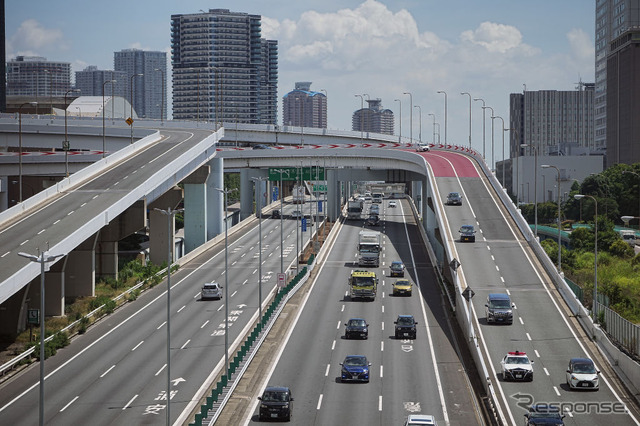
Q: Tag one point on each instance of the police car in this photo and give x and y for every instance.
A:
(517, 366)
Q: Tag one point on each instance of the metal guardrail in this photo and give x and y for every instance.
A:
(625, 334)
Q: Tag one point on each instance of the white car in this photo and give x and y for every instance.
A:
(393, 204)
(211, 291)
(517, 366)
(422, 147)
(420, 419)
(582, 374)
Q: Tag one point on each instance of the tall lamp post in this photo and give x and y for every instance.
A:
(535, 185)
(483, 126)
(637, 175)
(20, 148)
(104, 143)
(361, 116)
(445, 114)
(467, 93)
(419, 112)
(595, 285)
(65, 143)
(281, 171)
(503, 130)
(400, 125)
(170, 247)
(410, 116)
(434, 127)
(162, 100)
(50, 92)
(547, 166)
(258, 181)
(226, 192)
(131, 105)
(492, 135)
(42, 258)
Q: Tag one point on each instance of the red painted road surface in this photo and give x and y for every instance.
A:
(450, 164)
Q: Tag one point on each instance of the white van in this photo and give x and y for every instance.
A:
(211, 291)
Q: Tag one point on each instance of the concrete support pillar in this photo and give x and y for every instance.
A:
(333, 195)
(158, 238)
(80, 270)
(246, 192)
(195, 209)
(215, 199)
(13, 313)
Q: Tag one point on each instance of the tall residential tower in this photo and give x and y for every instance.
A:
(304, 107)
(149, 90)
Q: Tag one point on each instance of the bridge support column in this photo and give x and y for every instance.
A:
(80, 270)
(333, 195)
(247, 198)
(195, 208)
(215, 199)
(158, 238)
(13, 313)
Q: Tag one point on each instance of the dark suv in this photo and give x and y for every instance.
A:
(276, 403)
(454, 199)
(405, 327)
(356, 328)
(276, 214)
(499, 308)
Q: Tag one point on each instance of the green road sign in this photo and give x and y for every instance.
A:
(293, 173)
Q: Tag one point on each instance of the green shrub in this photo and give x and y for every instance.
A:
(84, 323)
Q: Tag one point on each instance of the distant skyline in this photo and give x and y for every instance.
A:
(382, 48)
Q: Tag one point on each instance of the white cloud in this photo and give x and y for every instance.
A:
(31, 37)
(581, 45)
(494, 37)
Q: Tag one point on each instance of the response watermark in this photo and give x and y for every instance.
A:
(526, 400)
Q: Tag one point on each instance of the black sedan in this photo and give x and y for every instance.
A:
(356, 328)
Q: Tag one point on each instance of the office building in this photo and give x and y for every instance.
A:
(35, 77)
(613, 18)
(553, 122)
(223, 70)
(91, 80)
(374, 119)
(304, 107)
(149, 89)
(623, 99)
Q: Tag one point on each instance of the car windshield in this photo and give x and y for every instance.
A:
(403, 282)
(275, 396)
(396, 265)
(517, 360)
(356, 361)
(365, 248)
(357, 323)
(554, 416)
(405, 321)
(499, 303)
(466, 229)
(358, 281)
(584, 368)
(454, 195)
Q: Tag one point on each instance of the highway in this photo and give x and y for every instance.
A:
(116, 373)
(500, 261)
(424, 375)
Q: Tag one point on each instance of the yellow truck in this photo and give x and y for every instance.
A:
(363, 285)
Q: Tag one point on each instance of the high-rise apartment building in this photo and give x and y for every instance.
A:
(222, 69)
(623, 99)
(34, 76)
(149, 89)
(613, 18)
(373, 119)
(553, 122)
(304, 107)
(91, 81)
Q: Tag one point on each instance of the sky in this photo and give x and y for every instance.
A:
(382, 48)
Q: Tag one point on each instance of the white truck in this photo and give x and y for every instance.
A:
(628, 236)
(369, 248)
(354, 210)
(298, 194)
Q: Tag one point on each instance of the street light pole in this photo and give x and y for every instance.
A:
(258, 181)
(65, 144)
(20, 148)
(162, 100)
(595, 285)
(492, 135)
(535, 185)
(41, 258)
(104, 144)
(419, 112)
(434, 127)
(226, 192)
(170, 247)
(400, 125)
(503, 163)
(131, 105)
(361, 116)
(546, 166)
(445, 114)
(483, 126)
(50, 92)
(410, 116)
(467, 93)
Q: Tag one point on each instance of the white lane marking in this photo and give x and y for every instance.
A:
(70, 213)
(382, 309)
(255, 270)
(137, 346)
(107, 372)
(507, 291)
(382, 325)
(319, 402)
(338, 327)
(497, 268)
(184, 306)
(341, 310)
(116, 183)
(221, 306)
(83, 204)
(160, 371)
(185, 344)
(205, 323)
(502, 279)
(488, 248)
(5, 254)
(94, 197)
(160, 326)
(234, 262)
(381, 371)
(528, 336)
(197, 294)
(125, 177)
(493, 258)
(546, 371)
(41, 231)
(70, 402)
(56, 222)
(382, 346)
(24, 242)
(383, 294)
(234, 293)
(537, 353)
(245, 281)
(380, 403)
(326, 372)
(243, 254)
(128, 404)
(569, 413)
(557, 391)
(521, 322)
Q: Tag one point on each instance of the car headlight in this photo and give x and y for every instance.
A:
(573, 377)
(263, 406)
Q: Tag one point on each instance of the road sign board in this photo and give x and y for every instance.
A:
(129, 121)
(33, 316)
(282, 279)
(296, 173)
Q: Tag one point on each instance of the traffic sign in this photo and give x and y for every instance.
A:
(282, 279)
(468, 294)
(129, 121)
(296, 173)
(304, 224)
(33, 316)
